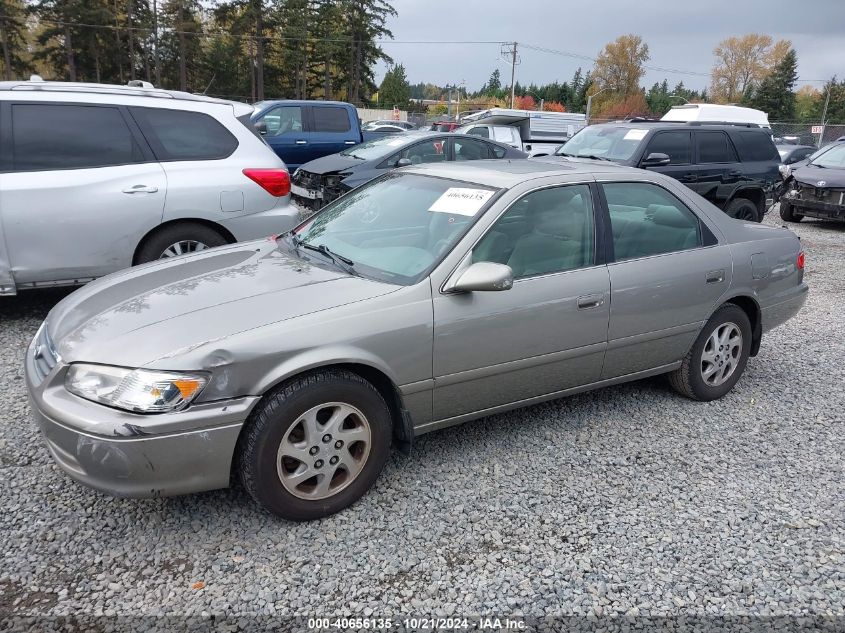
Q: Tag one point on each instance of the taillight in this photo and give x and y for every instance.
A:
(276, 182)
(800, 261)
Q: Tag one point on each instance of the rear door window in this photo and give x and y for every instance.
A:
(471, 149)
(330, 119)
(59, 136)
(677, 145)
(755, 146)
(181, 135)
(647, 220)
(714, 147)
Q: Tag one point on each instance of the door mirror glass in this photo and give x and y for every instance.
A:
(403, 162)
(655, 159)
(484, 276)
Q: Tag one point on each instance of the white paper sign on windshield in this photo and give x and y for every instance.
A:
(635, 135)
(461, 200)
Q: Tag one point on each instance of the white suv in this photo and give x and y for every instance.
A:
(95, 178)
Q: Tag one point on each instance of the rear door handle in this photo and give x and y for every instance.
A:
(690, 178)
(301, 142)
(140, 189)
(715, 276)
(588, 302)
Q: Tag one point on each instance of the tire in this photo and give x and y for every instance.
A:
(182, 233)
(787, 212)
(278, 428)
(743, 209)
(689, 379)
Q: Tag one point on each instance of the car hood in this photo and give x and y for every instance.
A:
(810, 175)
(140, 315)
(332, 163)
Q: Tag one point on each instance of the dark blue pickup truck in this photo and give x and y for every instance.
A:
(301, 131)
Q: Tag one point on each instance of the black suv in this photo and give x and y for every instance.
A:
(734, 166)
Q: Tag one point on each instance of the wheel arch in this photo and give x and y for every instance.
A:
(226, 233)
(752, 310)
(754, 194)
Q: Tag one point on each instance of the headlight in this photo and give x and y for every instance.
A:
(136, 390)
(785, 171)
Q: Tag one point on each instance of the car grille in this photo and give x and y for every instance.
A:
(821, 194)
(307, 180)
(44, 355)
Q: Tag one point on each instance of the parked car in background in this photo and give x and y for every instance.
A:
(300, 131)
(435, 295)
(736, 167)
(817, 189)
(95, 178)
(375, 125)
(790, 154)
(537, 133)
(717, 113)
(321, 181)
(443, 126)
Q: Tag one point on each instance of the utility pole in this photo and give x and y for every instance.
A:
(513, 70)
(824, 115)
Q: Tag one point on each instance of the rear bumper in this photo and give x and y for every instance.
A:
(779, 313)
(280, 219)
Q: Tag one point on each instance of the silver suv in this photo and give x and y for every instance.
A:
(95, 178)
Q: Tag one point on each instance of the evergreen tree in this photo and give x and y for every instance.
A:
(775, 94)
(12, 39)
(395, 90)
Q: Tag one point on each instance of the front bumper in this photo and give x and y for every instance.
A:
(814, 207)
(131, 455)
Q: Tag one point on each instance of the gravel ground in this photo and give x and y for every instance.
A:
(630, 500)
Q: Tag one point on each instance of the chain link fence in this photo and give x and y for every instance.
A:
(807, 133)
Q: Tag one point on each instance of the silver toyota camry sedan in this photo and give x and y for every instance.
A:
(431, 296)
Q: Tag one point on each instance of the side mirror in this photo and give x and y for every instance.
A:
(261, 126)
(403, 162)
(655, 159)
(484, 276)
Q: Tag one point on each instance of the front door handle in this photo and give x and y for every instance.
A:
(715, 276)
(349, 142)
(301, 142)
(588, 302)
(689, 178)
(140, 189)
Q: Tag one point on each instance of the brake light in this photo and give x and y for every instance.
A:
(276, 182)
(800, 261)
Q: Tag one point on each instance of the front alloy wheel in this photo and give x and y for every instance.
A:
(324, 451)
(315, 444)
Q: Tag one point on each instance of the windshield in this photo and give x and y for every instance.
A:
(376, 148)
(397, 228)
(830, 157)
(613, 143)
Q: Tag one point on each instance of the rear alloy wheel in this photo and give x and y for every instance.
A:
(315, 445)
(743, 209)
(717, 358)
(178, 239)
(788, 213)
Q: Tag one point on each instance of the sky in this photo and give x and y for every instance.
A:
(681, 35)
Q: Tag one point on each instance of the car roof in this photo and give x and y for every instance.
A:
(679, 125)
(267, 102)
(508, 173)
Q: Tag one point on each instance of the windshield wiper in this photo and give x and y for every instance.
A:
(344, 263)
(594, 157)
